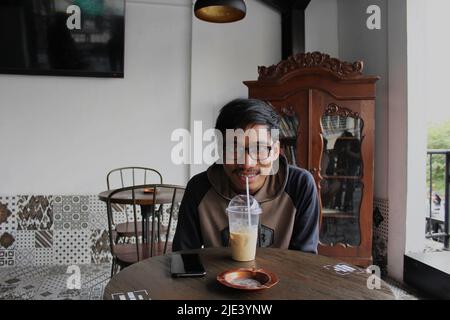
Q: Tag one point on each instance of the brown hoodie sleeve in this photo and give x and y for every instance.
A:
(301, 187)
(188, 233)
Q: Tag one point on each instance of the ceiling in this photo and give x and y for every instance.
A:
(287, 5)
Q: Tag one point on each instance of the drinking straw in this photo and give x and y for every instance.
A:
(248, 201)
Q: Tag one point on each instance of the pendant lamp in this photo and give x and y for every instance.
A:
(220, 11)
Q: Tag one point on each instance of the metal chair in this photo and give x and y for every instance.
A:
(128, 177)
(150, 241)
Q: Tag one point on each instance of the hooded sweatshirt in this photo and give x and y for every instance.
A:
(289, 202)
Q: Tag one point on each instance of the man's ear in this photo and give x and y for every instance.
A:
(276, 150)
(274, 155)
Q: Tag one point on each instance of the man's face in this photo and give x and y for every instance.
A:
(250, 156)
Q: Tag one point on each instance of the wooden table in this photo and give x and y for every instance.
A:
(301, 276)
(144, 200)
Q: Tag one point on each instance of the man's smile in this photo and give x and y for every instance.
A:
(250, 174)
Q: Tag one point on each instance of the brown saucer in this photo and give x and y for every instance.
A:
(248, 279)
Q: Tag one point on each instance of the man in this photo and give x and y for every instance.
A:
(287, 194)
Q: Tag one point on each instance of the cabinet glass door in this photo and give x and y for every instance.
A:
(341, 178)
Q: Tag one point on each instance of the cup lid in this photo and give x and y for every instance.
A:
(239, 204)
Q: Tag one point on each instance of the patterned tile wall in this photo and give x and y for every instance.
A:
(60, 230)
(8, 231)
(380, 233)
(54, 230)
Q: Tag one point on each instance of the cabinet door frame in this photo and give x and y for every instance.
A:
(320, 101)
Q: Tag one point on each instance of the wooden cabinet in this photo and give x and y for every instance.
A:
(328, 113)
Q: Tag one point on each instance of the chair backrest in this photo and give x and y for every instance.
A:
(132, 176)
(129, 177)
(160, 205)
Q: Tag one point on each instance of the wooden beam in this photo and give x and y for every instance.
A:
(301, 4)
(298, 30)
(280, 6)
(286, 5)
(293, 29)
(292, 24)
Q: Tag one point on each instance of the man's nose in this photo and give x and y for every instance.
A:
(249, 161)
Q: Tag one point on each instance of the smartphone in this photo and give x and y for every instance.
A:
(186, 265)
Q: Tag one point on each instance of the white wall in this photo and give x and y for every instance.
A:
(398, 136)
(321, 27)
(223, 57)
(421, 69)
(60, 135)
(338, 27)
(357, 42)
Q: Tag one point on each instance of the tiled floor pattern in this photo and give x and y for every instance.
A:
(50, 283)
(433, 246)
(403, 291)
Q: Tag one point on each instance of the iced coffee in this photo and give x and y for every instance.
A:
(243, 226)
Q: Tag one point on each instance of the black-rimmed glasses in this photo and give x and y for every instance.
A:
(256, 152)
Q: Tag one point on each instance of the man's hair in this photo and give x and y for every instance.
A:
(240, 113)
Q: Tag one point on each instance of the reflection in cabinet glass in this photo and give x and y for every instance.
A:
(341, 186)
(289, 126)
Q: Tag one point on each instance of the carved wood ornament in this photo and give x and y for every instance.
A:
(341, 69)
(335, 110)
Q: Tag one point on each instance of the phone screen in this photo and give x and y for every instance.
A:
(186, 265)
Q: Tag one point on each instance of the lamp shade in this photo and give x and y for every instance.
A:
(220, 11)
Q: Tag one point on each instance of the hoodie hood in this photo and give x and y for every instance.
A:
(272, 187)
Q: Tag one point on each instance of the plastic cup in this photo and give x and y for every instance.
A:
(243, 229)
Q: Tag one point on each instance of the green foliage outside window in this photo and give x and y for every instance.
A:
(438, 138)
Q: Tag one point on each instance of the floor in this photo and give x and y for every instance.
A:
(433, 246)
(50, 283)
(402, 291)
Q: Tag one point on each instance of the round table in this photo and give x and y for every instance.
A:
(142, 198)
(146, 200)
(301, 276)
